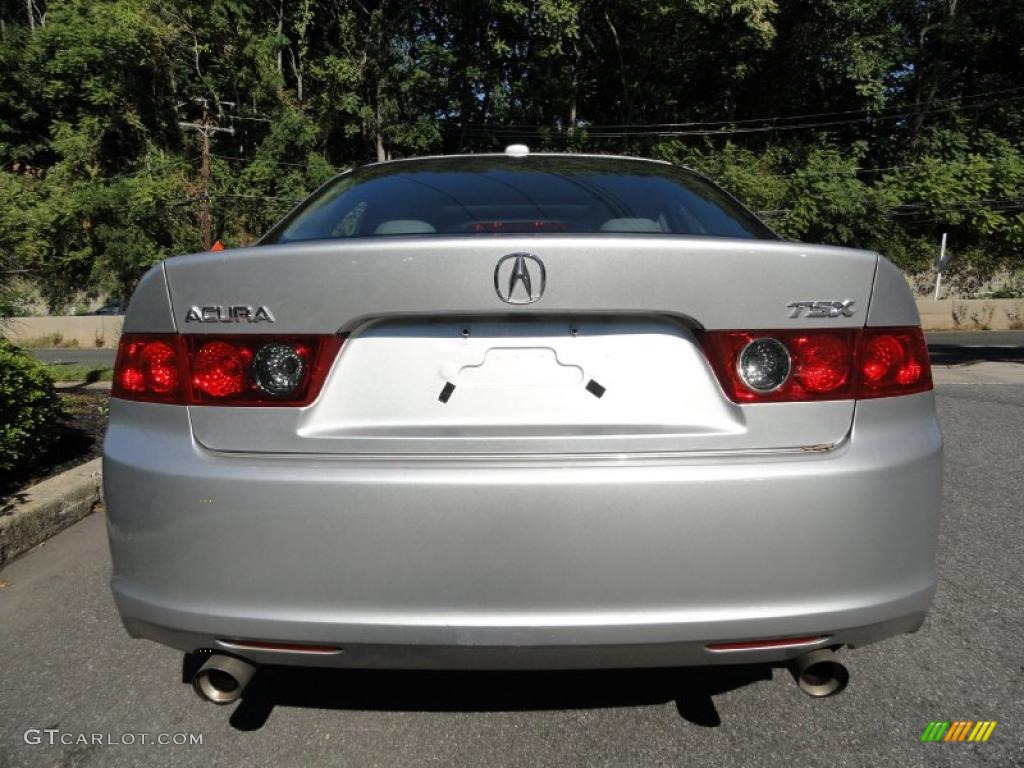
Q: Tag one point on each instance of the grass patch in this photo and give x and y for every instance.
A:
(79, 372)
(48, 341)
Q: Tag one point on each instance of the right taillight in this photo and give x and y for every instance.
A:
(842, 364)
(237, 370)
(892, 361)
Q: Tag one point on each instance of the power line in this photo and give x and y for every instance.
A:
(668, 130)
(150, 170)
(921, 208)
(867, 113)
(263, 160)
(658, 133)
(915, 209)
(290, 200)
(251, 119)
(949, 164)
(768, 119)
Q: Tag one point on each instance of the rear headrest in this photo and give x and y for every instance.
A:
(404, 227)
(631, 225)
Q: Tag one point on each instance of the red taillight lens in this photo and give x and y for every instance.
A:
(150, 367)
(878, 357)
(160, 367)
(825, 365)
(757, 645)
(893, 361)
(219, 369)
(222, 370)
(820, 369)
(823, 361)
(259, 370)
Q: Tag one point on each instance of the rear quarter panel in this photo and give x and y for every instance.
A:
(892, 303)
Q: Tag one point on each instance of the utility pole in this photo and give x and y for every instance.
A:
(940, 264)
(204, 200)
(207, 126)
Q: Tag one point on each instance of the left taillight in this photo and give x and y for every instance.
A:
(150, 367)
(256, 370)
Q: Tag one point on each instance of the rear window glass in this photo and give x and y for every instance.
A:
(497, 195)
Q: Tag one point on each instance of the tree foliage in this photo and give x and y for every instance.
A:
(872, 123)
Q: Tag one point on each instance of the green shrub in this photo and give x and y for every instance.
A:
(30, 410)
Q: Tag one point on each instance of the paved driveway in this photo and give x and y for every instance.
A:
(65, 663)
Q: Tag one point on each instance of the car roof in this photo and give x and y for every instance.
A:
(521, 158)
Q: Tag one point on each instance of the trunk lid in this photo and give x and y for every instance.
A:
(606, 361)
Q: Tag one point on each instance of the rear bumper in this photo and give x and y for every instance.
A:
(538, 563)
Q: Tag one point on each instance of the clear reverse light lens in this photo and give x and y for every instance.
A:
(278, 369)
(764, 365)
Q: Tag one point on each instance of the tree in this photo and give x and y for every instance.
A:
(873, 123)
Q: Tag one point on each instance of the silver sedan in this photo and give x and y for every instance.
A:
(522, 411)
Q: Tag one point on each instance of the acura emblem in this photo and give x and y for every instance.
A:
(519, 278)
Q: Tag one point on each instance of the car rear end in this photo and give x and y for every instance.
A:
(660, 448)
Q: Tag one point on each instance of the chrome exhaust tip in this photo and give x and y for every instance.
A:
(819, 674)
(222, 679)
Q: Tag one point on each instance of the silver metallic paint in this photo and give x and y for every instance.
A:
(611, 552)
(891, 300)
(329, 286)
(612, 544)
(149, 310)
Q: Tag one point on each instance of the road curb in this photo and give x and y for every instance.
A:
(82, 386)
(979, 373)
(47, 508)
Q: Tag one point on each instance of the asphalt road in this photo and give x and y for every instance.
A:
(66, 663)
(101, 358)
(958, 347)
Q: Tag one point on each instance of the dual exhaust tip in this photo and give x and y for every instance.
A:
(222, 679)
(819, 673)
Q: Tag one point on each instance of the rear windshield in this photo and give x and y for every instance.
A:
(496, 195)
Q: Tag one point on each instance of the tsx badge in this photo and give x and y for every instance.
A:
(821, 308)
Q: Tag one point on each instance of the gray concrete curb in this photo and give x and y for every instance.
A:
(81, 386)
(979, 373)
(47, 508)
